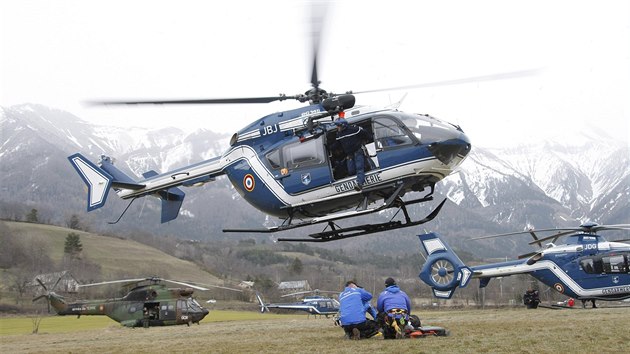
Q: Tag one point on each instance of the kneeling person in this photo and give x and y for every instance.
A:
(353, 300)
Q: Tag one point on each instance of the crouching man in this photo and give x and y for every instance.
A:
(353, 300)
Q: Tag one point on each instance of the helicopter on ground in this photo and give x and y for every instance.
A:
(585, 267)
(149, 302)
(284, 164)
(313, 304)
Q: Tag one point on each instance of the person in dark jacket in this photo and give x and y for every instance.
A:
(353, 303)
(351, 139)
(394, 308)
(531, 298)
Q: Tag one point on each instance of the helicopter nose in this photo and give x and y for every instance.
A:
(451, 150)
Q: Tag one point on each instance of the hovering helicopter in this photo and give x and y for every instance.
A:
(148, 303)
(586, 267)
(284, 163)
(313, 305)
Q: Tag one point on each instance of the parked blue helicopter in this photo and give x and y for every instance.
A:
(586, 267)
(313, 305)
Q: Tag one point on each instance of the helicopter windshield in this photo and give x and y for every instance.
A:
(193, 305)
(429, 129)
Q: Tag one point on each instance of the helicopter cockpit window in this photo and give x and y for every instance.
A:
(194, 305)
(388, 133)
(427, 128)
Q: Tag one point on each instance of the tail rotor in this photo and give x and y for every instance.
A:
(443, 271)
(49, 295)
(263, 307)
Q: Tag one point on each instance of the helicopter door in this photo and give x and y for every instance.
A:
(338, 156)
(167, 311)
(152, 310)
(389, 138)
(182, 311)
(307, 165)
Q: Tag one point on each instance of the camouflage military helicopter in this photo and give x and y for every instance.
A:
(148, 303)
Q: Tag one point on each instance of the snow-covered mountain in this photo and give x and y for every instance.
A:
(550, 183)
(587, 173)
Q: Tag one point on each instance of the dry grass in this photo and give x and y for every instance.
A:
(603, 330)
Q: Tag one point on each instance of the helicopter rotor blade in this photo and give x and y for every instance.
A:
(524, 232)
(492, 77)
(218, 287)
(551, 237)
(40, 297)
(185, 284)
(42, 284)
(268, 99)
(317, 15)
(114, 282)
(56, 283)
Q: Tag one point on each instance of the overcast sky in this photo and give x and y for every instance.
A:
(61, 53)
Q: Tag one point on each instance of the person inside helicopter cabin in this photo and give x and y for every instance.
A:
(354, 301)
(351, 139)
(394, 310)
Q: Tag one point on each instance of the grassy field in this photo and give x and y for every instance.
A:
(603, 330)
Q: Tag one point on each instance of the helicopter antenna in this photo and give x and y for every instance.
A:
(123, 213)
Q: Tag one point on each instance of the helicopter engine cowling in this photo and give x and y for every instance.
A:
(186, 292)
(338, 103)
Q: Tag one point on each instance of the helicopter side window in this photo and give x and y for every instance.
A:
(587, 265)
(304, 154)
(615, 264)
(274, 159)
(388, 133)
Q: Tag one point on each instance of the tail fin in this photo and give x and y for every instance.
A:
(100, 179)
(263, 307)
(443, 271)
(172, 199)
(97, 180)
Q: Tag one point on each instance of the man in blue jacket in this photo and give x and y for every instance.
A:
(353, 302)
(351, 138)
(394, 309)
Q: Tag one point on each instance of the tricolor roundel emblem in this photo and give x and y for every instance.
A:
(248, 182)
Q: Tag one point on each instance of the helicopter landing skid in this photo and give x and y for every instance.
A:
(336, 233)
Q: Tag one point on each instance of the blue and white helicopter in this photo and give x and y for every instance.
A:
(313, 304)
(284, 164)
(586, 267)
